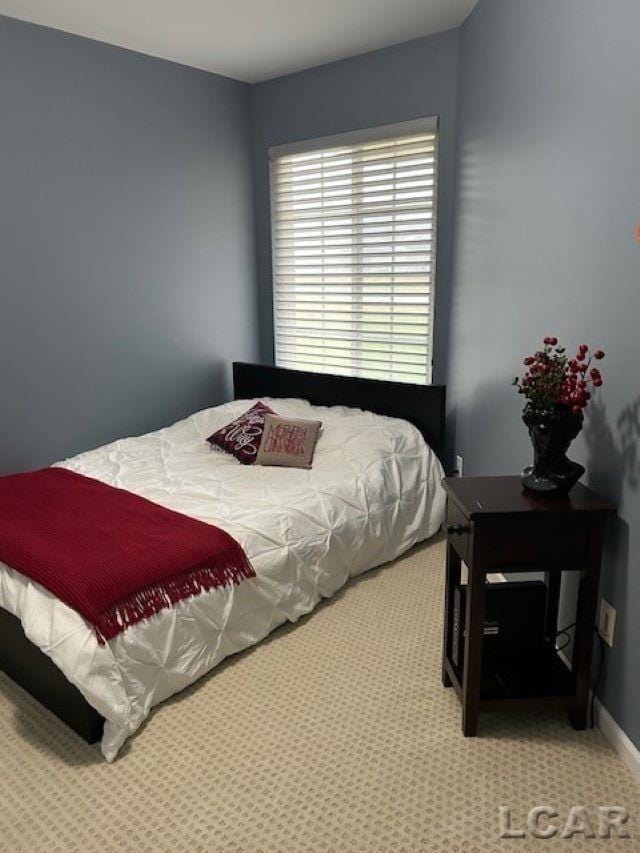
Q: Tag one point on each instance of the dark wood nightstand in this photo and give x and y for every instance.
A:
(494, 525)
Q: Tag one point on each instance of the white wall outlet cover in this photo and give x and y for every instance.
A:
(459, 466)
(607, 621)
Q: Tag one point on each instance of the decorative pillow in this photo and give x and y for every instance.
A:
(288, 441)
(241, 438)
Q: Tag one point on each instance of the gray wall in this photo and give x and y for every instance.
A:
(126, 242)
(412, 80)
(549, 194)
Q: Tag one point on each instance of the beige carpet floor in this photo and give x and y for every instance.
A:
(333, 735)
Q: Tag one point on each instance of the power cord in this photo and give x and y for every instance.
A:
(564, 632)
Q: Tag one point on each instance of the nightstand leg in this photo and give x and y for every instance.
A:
(452, 579)
(472, 675)
(585, 621)
(552, 581)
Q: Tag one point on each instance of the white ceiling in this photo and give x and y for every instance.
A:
(250, 40)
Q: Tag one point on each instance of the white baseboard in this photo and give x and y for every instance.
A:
(616, 736)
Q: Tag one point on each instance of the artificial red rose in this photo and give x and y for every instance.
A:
(551, 379)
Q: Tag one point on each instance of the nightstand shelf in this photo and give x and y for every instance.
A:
(506, 684)
(494, 525)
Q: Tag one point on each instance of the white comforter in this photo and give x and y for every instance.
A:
(374, 490)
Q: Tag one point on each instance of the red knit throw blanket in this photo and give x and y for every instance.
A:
(114, 557)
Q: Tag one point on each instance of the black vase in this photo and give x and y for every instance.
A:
(551, 434)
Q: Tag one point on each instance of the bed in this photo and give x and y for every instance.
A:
(373, 492)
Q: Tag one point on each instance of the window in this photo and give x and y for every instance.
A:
(353, 221)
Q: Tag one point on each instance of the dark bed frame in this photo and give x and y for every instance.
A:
(422, 405)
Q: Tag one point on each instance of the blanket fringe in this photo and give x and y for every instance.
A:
(228, 571)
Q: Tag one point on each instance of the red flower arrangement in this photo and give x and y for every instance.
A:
(553, 381)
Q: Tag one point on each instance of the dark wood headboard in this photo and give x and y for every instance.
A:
(421, 405)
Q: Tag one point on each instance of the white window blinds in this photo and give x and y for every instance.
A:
(353, 244)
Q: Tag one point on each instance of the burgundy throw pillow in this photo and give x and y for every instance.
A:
(241, 438)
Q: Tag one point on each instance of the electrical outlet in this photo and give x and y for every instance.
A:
(459, 466)
(606, 621)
